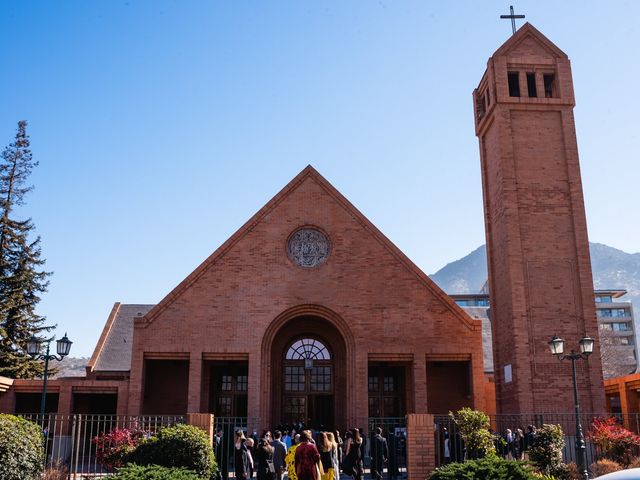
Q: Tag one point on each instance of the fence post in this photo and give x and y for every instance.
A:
(421, 449)
(204, 421)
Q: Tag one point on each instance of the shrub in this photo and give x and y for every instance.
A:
(57, 471)
(634, 463)
(604, 466)
(568, 471)
(474, 430)
(114, 447)
(21, 448)
(490, 468)
(613, 440)
(154, 472)
(546, 451)
(178, 446)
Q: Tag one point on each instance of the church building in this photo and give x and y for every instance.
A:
(309, 313)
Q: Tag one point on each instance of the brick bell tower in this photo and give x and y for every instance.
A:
(537, 246)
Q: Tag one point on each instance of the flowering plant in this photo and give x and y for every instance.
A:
(112, 448)
(613, 440)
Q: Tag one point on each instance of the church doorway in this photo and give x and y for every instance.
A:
(308, 374)
(308, 384)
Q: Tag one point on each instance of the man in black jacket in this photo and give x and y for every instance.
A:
(379, 454)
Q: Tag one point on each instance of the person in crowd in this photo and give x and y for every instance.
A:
(392, 466)
(286, 438)
(519, 444)
(241, 457)
(324, 447)
(446, 446)
(307, 458)
(289, 459)
(510, 439)
(529, 437)
(279, 452)
(250, 444)
(354, 455)
(220, 453)
(265, 468)
(335, 456)
(340, 444)
(379, 454)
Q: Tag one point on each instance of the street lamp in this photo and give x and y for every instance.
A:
(586, 348)
(34, 347)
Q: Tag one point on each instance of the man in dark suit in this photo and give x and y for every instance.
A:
(379, 454)
(279, 452)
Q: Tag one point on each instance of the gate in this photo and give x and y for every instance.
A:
(394, 430)
(225, 429)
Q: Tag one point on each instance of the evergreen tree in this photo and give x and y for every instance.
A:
(22, 279)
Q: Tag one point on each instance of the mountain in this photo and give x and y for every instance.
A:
(71, 367)
(612, 268)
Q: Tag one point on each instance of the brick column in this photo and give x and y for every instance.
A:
(65, 398)
(420, 384)
(421, 451)
(195, 382)
(204, 421)
(8, 401)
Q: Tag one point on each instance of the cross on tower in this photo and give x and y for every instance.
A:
(513, 17)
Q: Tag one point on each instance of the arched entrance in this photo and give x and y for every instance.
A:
(308, 373)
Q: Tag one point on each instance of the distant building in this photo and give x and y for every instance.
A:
(617, 329)
(617, 333)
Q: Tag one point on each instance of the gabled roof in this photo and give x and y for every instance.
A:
(307, 173)
(113, 350)
(528, 31)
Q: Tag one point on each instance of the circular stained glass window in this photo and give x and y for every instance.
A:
(308, 247)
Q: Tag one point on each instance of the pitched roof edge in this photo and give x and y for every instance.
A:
(103, 336)
(309, 171)
(520, 35)
(222, 249)
(399, 254)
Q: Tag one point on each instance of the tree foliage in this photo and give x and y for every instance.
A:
(21, 450)
(546, 451)
(613, 440)
(154, 472)
(474, 429)
(178, 446)
(22, 279)
(490, 468)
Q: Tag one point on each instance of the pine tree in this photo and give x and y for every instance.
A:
(22, 279)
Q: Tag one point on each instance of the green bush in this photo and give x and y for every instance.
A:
(178, 446)
(474, 429)
(154, 472)
(21, 449)
(546, 451)
(490, 468)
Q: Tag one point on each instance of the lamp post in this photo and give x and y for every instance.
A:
(34, 347)
(586, 348)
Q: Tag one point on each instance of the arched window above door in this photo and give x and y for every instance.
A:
(308, 348)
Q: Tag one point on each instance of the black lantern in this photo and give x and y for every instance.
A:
(556, 345)
(63, 346)
(586, 346)
(34, 344)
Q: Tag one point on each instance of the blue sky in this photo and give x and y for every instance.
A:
(162, 126)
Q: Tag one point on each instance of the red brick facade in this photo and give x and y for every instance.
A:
(537, 246)
(367, 302)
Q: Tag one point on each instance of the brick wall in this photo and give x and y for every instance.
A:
(421, 450)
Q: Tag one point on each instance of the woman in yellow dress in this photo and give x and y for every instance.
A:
(290, 458)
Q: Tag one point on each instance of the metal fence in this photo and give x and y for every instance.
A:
(450, 446)
(394, 430)
(70, 444)
(225, 428)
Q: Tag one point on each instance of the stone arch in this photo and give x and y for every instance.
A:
(319, 322)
